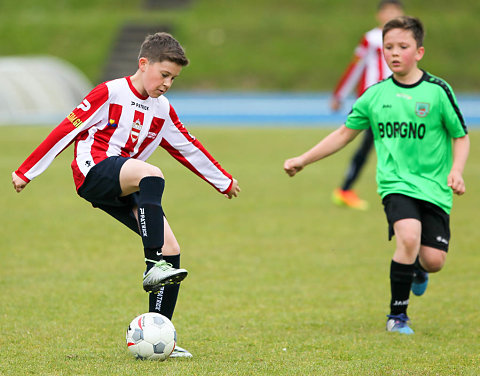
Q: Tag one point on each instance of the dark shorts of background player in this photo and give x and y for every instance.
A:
(102, 189)
(435, 221)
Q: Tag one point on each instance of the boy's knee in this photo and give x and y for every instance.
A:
(410, 242)
(433, 263)
(151, 170)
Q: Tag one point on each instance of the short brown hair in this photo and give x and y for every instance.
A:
(406, 23)
(162, 46)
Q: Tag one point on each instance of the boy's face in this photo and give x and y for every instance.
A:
(401, 52)
(158, 77)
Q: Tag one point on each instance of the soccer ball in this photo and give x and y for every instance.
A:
(151, 336)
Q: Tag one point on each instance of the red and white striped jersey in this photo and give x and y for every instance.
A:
(114, 119)
(367, 67)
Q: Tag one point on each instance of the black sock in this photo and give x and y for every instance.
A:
(164, 302)
(150, 217)
(401, 277)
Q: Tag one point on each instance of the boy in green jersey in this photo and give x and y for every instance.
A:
(422, 146)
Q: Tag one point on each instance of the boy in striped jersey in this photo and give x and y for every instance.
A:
(367, 68)
(115, 129)
(422, 146)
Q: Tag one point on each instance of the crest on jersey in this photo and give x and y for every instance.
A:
(422, 109)
(136, 128)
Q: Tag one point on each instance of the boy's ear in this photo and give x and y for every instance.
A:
(142, 63)
(420, 53)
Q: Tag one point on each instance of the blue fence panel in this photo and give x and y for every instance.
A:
(281, 109)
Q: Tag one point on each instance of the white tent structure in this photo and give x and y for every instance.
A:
(39, 90)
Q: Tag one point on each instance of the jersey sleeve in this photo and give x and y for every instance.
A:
(452, 116)
(80, 119)
(359, 116)
(351, 76)
(190, 152)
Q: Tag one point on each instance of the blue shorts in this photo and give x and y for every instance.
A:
(435, 221)
(102, 189)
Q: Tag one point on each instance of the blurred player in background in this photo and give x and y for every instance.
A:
(422, 146)
(119, 124)
(367, 68)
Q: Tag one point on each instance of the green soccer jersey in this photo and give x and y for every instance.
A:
(413, 127)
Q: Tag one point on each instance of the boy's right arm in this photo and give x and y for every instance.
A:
(80, 119)
(329, 145)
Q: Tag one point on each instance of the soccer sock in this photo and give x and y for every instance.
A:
(401, 276)
(150, 217)
(164, 302)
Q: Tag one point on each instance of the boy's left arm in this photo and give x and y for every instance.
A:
(192, 154)
(461, 148)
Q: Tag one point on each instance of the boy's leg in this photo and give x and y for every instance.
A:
(165, 300)
(403, 216)
(407, 232)
(434, 248)
(429, 260)
(148, 180)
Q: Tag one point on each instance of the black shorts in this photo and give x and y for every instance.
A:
(102, 189)
(435, 221)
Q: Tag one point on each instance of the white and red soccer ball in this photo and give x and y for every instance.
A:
(151, 336)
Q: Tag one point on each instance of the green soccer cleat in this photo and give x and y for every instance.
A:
(161, 274)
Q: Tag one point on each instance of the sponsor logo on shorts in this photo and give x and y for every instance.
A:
(441, 239)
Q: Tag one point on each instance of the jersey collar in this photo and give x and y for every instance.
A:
(135, 91)
(423, 78)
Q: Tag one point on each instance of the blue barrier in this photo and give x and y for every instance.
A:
(280, 109)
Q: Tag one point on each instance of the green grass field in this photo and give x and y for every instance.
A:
(281, 281)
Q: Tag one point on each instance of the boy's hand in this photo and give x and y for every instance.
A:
(18, 183)
(293, 165)
(455, 181)
(234, 190)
